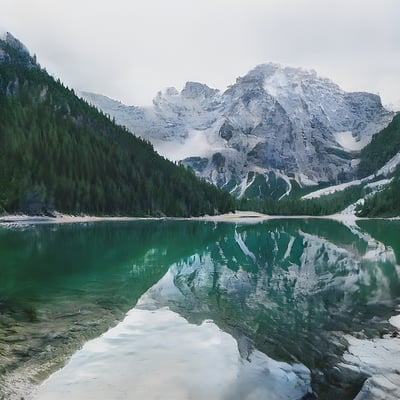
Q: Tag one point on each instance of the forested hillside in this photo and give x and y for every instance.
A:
(385, 203)
(59, 153)
(324, 205)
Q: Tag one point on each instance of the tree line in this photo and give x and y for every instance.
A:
(324, 205)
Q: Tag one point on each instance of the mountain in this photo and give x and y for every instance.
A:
(275, 128)
(59, 153)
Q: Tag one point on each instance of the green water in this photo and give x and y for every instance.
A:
(289, 288)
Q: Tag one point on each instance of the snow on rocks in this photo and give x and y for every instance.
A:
(395, 321)
(380, 360)
(332, 189)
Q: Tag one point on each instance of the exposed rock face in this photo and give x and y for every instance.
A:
(283, 120)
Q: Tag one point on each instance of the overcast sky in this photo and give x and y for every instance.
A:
(130, 49)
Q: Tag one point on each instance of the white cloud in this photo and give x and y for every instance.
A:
(130, 50)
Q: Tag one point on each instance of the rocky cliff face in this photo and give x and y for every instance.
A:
(274, 126)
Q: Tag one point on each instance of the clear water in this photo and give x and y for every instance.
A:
(282, 293)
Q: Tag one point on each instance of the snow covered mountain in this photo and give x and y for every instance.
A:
(274, 126)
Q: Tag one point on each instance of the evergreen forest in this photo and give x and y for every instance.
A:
(385, 203)
(59, 153)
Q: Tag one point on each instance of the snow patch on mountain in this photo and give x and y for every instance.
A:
(390, 166)
(377, 185)
(332, 189)
(305, 181)
(349, 142)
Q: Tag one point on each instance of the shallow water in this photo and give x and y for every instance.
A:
(282, 294)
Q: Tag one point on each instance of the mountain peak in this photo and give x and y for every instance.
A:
(13, 41)
(271, 68)
(171, 91)
(194, 90)
(12, 50)
(282, 75)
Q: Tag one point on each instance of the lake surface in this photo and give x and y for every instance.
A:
(285, 309)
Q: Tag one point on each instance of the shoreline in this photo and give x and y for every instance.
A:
(247, 217)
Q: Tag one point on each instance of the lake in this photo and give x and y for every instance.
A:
(284, 309)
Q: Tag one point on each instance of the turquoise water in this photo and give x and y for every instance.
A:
(288, 290)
